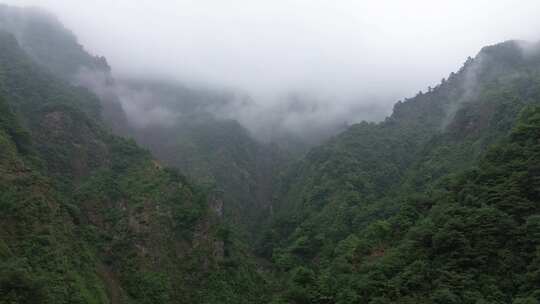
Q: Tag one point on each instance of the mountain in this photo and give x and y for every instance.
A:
(437, 204)
(89, 217)
(48, 42)
(211, 150)
(181, 125)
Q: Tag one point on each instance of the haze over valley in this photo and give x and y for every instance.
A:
(297, 67)
(277, 152)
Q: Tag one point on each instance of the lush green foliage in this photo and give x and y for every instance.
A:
(393, 212)
(473, 240)
(221, 154)
(88, 217)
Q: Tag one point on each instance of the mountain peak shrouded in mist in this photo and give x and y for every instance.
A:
(348, 62)
(297, 116)
(47, 41)
(303, 117)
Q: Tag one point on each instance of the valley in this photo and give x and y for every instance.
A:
(118, 190)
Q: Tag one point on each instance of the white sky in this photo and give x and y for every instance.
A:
(344, 48)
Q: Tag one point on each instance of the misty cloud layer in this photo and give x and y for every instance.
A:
(302, 64)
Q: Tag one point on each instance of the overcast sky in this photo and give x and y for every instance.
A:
(344, 48)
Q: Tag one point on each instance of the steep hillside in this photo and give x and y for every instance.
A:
(360, 196)
(88, 217)
(178, 124)
(48, 42)
(212, 151)
(221, 154)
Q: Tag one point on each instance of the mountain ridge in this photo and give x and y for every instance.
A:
(439, 203)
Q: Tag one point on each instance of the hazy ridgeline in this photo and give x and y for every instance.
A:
(287, 72)
(250, 153)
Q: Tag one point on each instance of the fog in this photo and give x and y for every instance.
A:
(349, 59)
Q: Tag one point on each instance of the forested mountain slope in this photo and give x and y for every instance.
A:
(89, 217)
(213, 151)
(222, 155)
(361, 200)
(437, 204)
(473, 239)
(180, 125)
(47, 41)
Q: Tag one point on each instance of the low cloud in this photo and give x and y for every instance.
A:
(292, 66)
(140, 106)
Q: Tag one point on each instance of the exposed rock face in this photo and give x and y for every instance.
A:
(215, 203)
(80, 140)
(207, 234)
